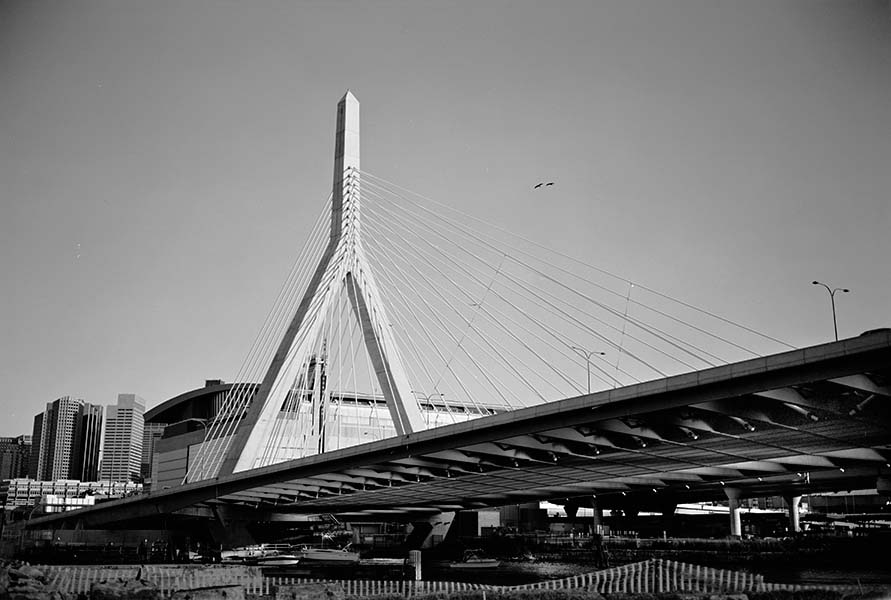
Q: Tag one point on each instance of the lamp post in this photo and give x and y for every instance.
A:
(587, 356)
(428, 398)
(832, 299)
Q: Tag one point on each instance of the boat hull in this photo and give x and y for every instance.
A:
(471, 565)
(279, 561)
(329, 556)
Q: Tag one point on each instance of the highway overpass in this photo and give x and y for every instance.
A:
(805, 421)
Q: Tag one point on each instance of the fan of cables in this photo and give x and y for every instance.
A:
(483, 321)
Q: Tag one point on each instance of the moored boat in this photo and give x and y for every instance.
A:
(333, 555)
(278, 560)
(473, 559)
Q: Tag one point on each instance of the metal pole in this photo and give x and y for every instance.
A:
(832, 292)
(834, 320)
(588, 364)
(587, 356)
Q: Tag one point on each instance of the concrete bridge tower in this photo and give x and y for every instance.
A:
(343, 268)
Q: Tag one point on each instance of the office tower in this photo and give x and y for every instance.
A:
(57, 438)
(122, 450)
(87, 436)
(68, 432)
(36, 434)
(15, 454)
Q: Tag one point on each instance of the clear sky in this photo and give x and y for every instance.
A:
(161, 162)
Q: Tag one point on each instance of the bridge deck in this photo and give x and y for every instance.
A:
(804, 421)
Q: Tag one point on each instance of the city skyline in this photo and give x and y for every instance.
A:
(66, 441)
(74, 439)
(160, 170)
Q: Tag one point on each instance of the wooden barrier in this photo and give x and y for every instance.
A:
(651, 576)
(168, 578)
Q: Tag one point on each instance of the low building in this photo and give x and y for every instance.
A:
(15, 456)
(52, 503)
(18, 493)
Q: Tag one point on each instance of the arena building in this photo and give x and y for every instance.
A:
(346, 419)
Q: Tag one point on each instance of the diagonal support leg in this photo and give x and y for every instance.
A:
(382, 350)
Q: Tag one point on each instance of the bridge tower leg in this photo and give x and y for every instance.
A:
(343, 268)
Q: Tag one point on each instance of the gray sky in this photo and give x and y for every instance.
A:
(160, 162)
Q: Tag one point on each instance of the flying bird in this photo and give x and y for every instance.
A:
(551, 183)
(542, 184)
(538, 186)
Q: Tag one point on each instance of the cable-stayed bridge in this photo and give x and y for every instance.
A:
(506, 372)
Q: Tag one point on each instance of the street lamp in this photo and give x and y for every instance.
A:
(587, 356)
(832, 298)
(427, 397)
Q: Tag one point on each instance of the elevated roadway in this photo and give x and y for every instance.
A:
(805, 421)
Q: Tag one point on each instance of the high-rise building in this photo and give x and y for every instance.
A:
(122, 450)
(15, 455)
(87, 442)
(57, 438)
(68, 432)
(36, 434)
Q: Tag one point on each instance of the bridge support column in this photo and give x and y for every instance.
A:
(794, 503)
(230, 526)
(414, 559)
(735, 517)
(571, 510)
(597, 522)
(668, 509)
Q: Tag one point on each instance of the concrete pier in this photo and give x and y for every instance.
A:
(414, 559)
(794, 503)
(598, 515)
(735, 517)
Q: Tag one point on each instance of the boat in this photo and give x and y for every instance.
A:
(331, 555)
(473, 559)
(253, 554)
(241, 555)
(278, 560)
